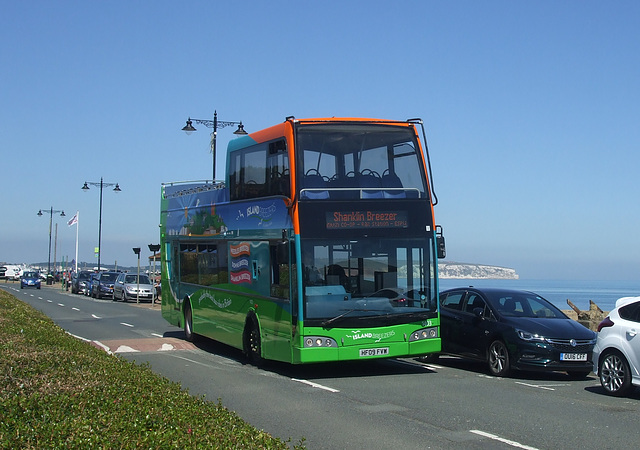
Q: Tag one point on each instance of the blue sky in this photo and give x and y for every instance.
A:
(532, 111)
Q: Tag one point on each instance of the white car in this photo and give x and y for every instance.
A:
(616, 356)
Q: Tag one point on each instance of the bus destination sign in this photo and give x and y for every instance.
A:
(366, 219)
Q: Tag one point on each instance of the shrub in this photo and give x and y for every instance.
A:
(59, 392)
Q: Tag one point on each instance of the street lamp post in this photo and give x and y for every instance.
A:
(154, 248)
(136, 250)
(51, 212)
(215, 124)
(101, 184)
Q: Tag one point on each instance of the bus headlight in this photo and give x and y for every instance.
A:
(319, 341)
(425, 333)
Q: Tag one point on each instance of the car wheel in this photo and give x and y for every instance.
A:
(615, 375)
(498, 359)
(252, 341)
(188, 324)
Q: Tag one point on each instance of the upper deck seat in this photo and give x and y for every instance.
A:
(392, 181)
(314, 187)
(368, 179)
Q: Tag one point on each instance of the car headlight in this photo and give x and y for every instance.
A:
(526, 336)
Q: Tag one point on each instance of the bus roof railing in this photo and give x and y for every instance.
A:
(192, 187)
(363, 192)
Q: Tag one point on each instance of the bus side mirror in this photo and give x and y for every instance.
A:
(440, 246)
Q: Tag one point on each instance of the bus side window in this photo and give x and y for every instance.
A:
(278, 166)
(280, 270)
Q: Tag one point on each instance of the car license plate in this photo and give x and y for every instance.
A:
(573, 356)
(365, 352)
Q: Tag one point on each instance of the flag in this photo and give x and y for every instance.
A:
(73, 221)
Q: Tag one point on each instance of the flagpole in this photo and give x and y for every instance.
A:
(77, 226)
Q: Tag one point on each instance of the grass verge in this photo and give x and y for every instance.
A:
(59, 392)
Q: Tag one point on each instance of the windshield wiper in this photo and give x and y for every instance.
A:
(340, 316)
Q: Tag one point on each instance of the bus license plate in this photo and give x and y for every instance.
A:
(573, 356)
(366, 352)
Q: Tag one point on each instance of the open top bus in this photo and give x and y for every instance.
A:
(319, 245)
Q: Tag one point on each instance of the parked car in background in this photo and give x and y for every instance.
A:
(89, 287)
(102, 284)
(3, 272)
(126, 287)
(30, 279)
(512, 329)
(12, 272)
(80, 282)
(616, 356)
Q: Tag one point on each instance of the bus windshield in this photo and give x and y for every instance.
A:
(367, 282)
(340, 159)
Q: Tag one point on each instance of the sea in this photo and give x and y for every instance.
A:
(603, 293)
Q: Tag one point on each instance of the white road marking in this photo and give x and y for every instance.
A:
(95, 317)
(61, 304)
(315, 385)
(126, 349)
(79, 337)
(156, 335)
(416, 364)
(75, 309)
(503, 440)
(126, 324)
(101, 345)
(549, 387)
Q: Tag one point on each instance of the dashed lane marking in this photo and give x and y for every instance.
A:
(315, 385)
(503, 440)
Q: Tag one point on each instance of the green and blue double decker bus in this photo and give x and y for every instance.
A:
(319, 245)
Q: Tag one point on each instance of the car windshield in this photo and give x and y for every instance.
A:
(108, 276)
(31, 274)
(524, 304)
(134, 279)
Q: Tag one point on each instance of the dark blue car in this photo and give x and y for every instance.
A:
(30, 279)
(102, 284)
(511, 329)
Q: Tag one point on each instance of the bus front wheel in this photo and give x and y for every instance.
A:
(188, 324)
(252, 341)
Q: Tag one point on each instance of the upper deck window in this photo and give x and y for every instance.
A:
(259, 171)
(353, 160)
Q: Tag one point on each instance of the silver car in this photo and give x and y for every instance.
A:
(126, 287)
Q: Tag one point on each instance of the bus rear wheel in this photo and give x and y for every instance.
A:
(252, 341)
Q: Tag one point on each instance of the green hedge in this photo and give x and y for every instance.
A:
(59, 392)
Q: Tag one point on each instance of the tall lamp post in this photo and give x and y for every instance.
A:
(51, 212)
(215, 124)
(102, 185)
(136, 250)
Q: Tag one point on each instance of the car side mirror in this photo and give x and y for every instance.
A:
(478, 312)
